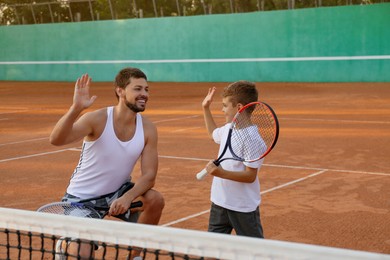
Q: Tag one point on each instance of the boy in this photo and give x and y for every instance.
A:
(235, 190)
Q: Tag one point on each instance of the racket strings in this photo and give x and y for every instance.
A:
(254, 132)
(71, 210)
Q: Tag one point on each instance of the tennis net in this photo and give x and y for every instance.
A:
(33, 235)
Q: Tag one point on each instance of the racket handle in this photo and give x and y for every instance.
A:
(136, 204)
(201, 174)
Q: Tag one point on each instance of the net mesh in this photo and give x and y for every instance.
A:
(34, 235)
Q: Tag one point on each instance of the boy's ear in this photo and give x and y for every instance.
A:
(239, 106)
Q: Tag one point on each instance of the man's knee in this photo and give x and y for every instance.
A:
(154, 199)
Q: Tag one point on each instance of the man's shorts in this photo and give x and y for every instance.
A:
(106, 200)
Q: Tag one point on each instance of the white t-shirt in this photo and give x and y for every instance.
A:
(233, 195)
(106, 163)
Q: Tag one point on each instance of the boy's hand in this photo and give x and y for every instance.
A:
(211, 167)
(81, 99)
(209, 98)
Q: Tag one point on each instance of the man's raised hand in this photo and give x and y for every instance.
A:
(81, 99)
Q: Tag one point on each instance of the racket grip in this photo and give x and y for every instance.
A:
(201, 174)
(136, 204)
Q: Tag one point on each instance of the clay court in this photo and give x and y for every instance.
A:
(327, 182)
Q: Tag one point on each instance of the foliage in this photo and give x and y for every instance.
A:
(13, 12)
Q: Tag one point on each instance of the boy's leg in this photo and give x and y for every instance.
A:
(219, 220)
(247, 223)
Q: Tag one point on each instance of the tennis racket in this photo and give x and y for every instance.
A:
(252, 135)
(79, 209)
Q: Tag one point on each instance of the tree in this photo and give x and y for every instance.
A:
(14, 12)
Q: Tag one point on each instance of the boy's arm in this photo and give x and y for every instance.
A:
(247, 176)
(67, 129)
(208, 117)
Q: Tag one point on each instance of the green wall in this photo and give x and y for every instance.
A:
(333, 44)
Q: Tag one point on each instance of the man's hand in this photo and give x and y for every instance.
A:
(81, 99)
(119, 206)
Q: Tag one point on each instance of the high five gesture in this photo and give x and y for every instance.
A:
(81, 97)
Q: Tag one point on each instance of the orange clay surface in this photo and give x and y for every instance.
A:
(327, 182)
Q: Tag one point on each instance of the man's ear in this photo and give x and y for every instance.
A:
(119, 91)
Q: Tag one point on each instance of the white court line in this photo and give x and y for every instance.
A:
(263, 192)
(174, 119)
(22, 109)
(32, 155)
(194, 116)
(259, 59)
(75, 149)
(25, 141)
(320, 171)
(183, 158)
(335, 120)
(323, 169)
(186, 129)
(294, 181)
(206, 160)
(31, 140)
(185, 218)
(284, 166)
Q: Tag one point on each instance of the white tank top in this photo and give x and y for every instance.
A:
(106, 163)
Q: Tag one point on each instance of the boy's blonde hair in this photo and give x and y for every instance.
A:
(243, 92)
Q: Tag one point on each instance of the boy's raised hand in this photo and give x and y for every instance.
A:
(81, 99)
(209, 98)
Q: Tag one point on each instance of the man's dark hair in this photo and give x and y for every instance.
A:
(123, 78)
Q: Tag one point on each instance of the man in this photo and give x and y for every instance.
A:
(114, 138)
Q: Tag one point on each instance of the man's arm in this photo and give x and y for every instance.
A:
(149, 160)
(67, 129)
(208, 117)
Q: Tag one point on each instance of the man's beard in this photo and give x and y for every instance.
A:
(134, 107)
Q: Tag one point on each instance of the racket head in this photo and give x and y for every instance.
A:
(70, 209)
(255, 131)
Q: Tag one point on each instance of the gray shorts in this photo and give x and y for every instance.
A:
(244, 223)
(106, 200)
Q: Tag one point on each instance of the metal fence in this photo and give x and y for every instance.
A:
(14, 12)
